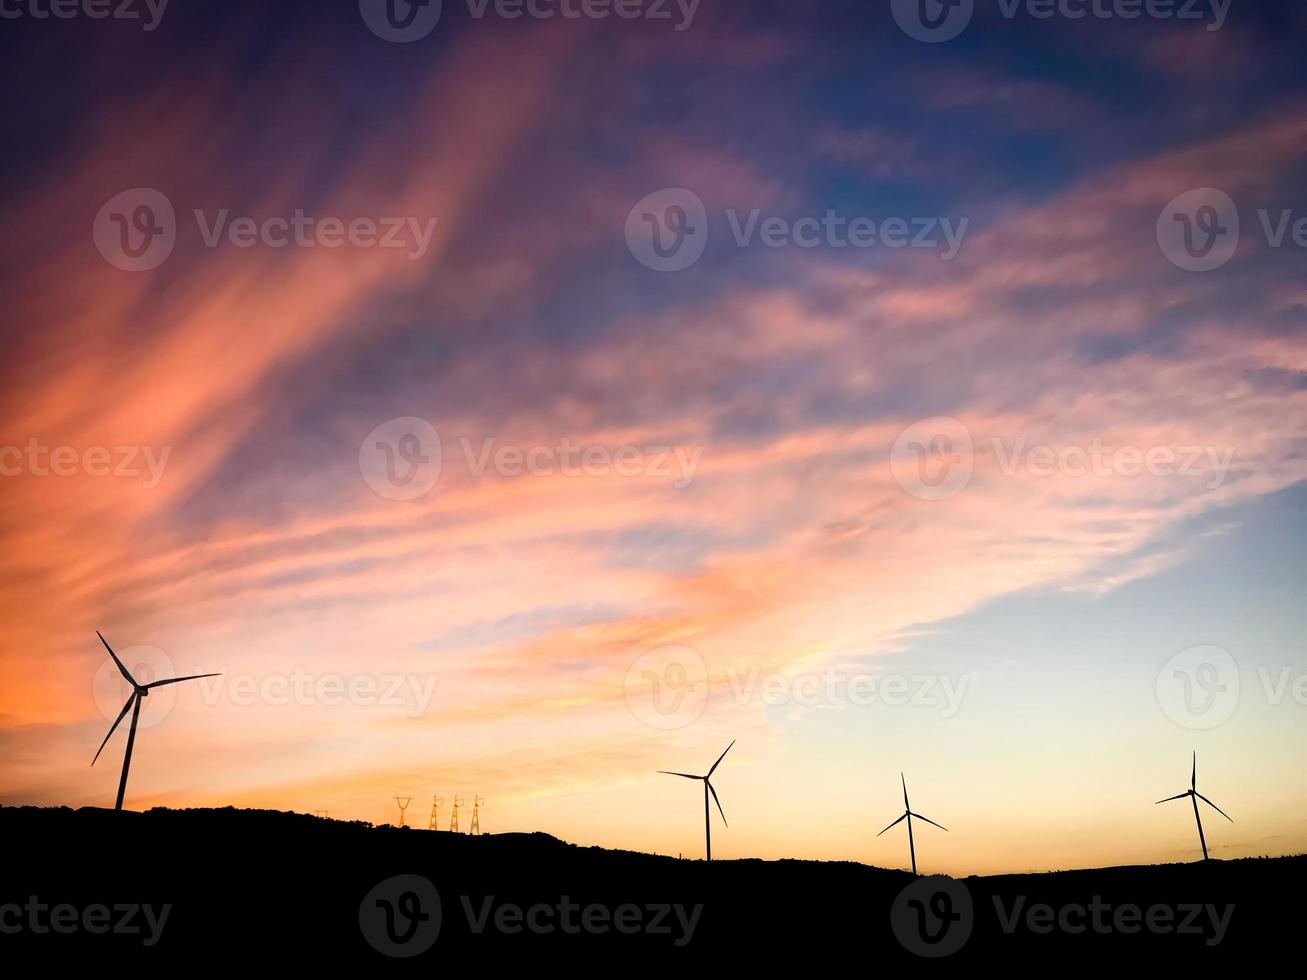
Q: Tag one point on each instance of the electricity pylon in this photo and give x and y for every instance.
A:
(435, 804)
(453, 821)
(477, 803)
(403, 802)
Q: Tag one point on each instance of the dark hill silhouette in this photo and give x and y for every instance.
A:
(260, 888)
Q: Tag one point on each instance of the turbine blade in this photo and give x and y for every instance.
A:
(1193, 778)
(898, 821)
(717, 801)
(178, 680)
(719, 760)
(1215, 807)
(121, 715)
(931, 822)
(904, 780)
(1178, 796)
(130, 679)
(686, 775)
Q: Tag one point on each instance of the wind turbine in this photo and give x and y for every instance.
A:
(707, 788)
(1194, 797)
(134, 703)
(908, 815)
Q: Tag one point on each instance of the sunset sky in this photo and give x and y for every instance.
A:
(1020, 513)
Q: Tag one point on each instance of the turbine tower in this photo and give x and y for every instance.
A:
(139, 691)
(908, 815)
(403, 802)
(1194, 797)
(435, 805)
(707, 788)
(453, 821)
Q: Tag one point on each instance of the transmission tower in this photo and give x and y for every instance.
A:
(477, 803)
(403, 802)
(435, 805)
(453, 822)
(324, 814)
